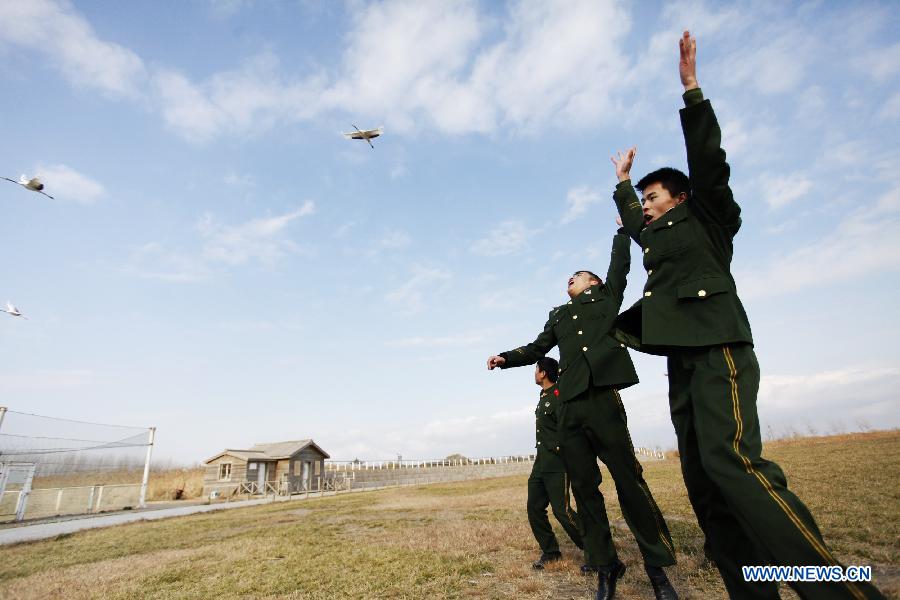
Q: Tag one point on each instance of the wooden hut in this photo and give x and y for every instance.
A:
(276, 468)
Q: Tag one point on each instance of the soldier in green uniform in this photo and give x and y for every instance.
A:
(691, 313)
(593, 368)
(547, 484)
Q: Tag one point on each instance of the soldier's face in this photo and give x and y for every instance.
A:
(657, 201)
(538, 375)
(579, 282)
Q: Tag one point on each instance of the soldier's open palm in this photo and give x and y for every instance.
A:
(687, 64)
(623, 163)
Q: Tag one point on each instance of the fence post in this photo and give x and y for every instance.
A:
(146, 479)
(23, 495)
(99, 498)
(2, 414)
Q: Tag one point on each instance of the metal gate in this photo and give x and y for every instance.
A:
(15, 486)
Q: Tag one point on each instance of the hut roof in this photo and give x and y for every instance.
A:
(271, 451)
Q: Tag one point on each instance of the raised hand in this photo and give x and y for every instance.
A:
(623, 163)
(687, 63)
(495, 361)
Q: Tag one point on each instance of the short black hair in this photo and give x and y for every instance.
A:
(591, 273)
(550, 367)
(673, 180)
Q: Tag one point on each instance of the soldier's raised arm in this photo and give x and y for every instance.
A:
(631, 215)
(711, 196)
(619, 265)
(528, 354)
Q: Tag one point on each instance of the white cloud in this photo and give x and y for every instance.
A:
(261, 240)
(498, 299)
(393, 239)
(838, 398)
(555, 62)
(890, 110)
(398, 63)
(770, 65)
(47, 379)
(781, 191)
(509, 237)
(578, 200)
(746, 142)
(882, 64)
(855, 249)
(446, 341)
(474, 436)
(153, 261)
(237, 179)
(549, 64)
(424, 281)
(461, 431)
(258, 239)
(812, 103)
(535, 65)
(399, 170)
(65, 183)
(223, 9)
(249, 99)
(344, 229)
(68, 40)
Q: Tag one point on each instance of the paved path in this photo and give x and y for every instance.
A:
(41, 531)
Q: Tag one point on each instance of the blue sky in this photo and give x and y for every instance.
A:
(220, 263)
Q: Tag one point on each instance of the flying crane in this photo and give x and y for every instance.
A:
(366, 134)
(34, 184)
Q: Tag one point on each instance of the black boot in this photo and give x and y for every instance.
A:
(661, 585)
(546, 557)
(607, 577)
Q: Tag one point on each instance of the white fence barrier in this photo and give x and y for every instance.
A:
(50, 502)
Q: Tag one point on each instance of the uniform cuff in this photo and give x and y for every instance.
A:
(692, 97)
(624, 185)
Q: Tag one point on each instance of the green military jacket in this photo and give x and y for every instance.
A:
(545, 431)
(690, 298)
(587, 353)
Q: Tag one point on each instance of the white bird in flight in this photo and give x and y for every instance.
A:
(367, 134)
(34, 184)
(13, 310)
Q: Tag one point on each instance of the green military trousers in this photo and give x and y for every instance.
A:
(593, 425)
(549, 489)
(741, 500)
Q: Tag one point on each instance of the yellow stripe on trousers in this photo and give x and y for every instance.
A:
(643, 485)
(736, 404)
(569, 512)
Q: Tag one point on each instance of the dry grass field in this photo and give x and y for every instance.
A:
(161, 485)
(455, 540)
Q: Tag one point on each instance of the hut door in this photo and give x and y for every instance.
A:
(305, 477)
(261, 476)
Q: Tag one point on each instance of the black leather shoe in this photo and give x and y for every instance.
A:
(607, 577)
(545, 558)
(661, 585)
(588, 569)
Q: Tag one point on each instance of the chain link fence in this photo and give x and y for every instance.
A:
(52, 466)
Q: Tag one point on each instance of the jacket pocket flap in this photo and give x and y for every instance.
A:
(669, 219)
(703, 288)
